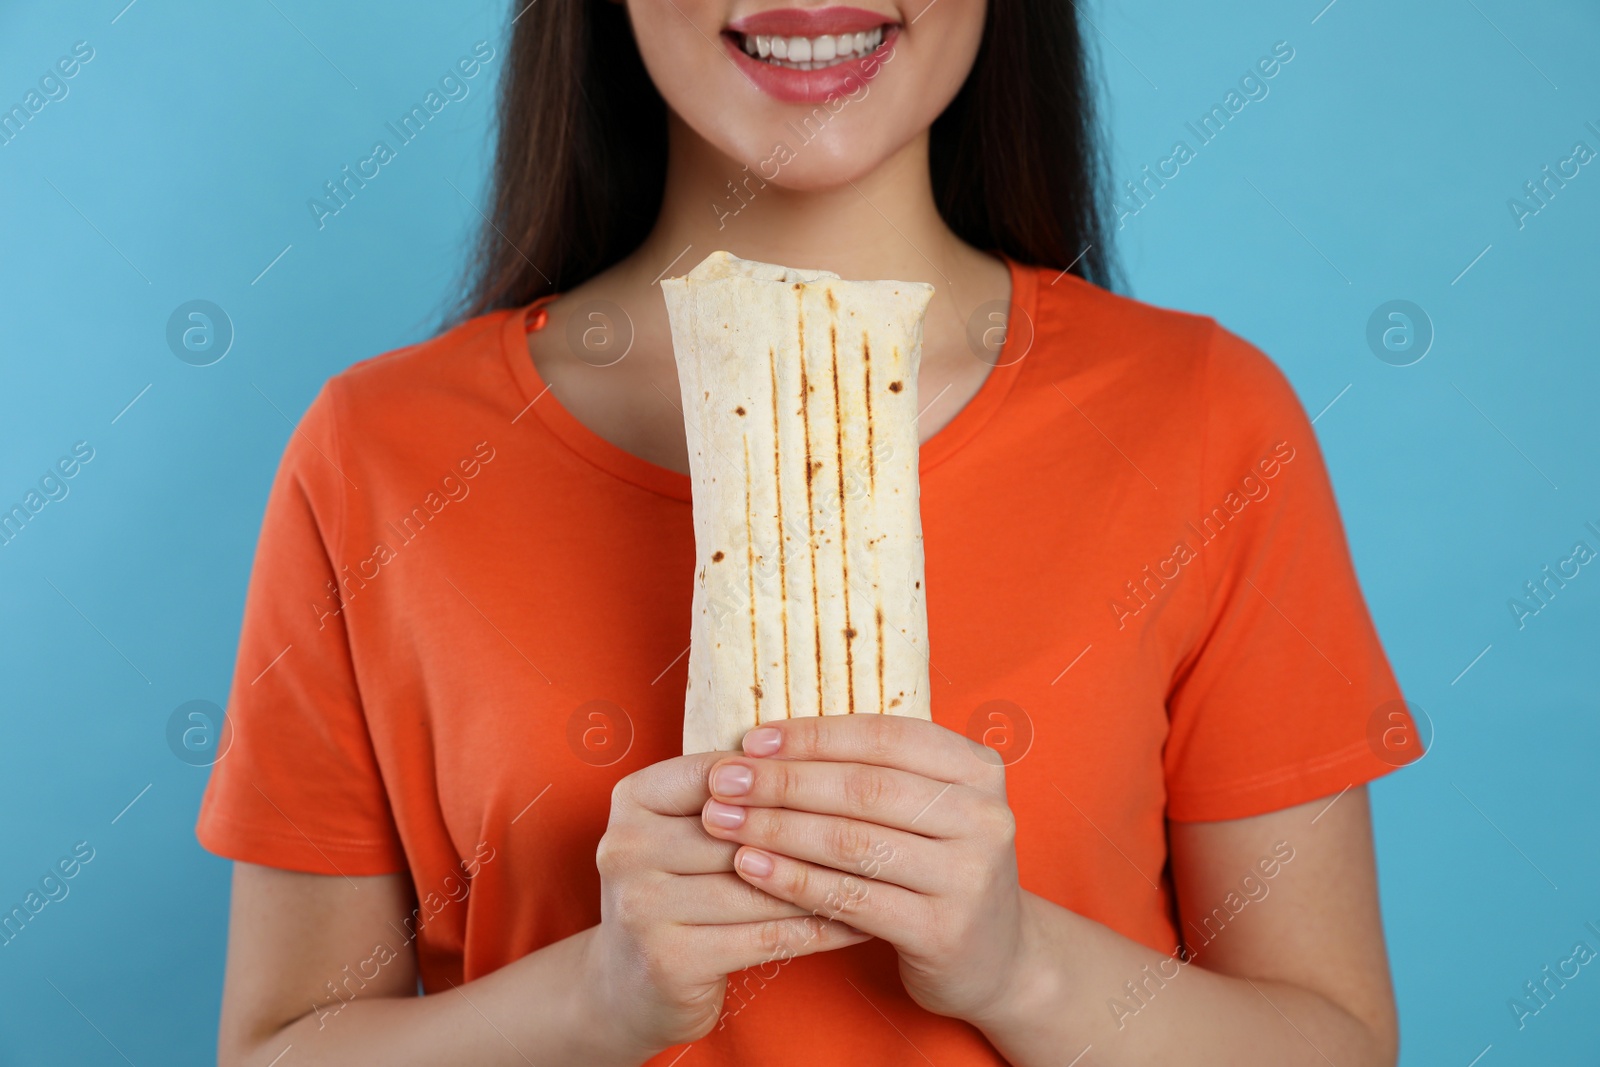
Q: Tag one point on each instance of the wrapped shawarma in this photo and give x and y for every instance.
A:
(800, 400)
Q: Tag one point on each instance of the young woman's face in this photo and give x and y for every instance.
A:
(807, 97)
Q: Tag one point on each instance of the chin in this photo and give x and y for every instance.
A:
(789, 155)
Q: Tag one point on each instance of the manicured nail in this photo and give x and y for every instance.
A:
(726, 816)
(755, 864)
(763, 741)
(732, 780)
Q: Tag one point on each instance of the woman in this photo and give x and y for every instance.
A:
(1136, 831)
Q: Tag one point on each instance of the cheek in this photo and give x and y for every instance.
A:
(681, 45)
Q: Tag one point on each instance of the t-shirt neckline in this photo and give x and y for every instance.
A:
(537, 400)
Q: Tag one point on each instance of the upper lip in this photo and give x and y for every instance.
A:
(809, 22)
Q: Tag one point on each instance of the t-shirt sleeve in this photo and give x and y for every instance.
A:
(298, 785)
(1285, 695)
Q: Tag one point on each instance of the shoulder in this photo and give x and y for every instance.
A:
(420, 392)
(1160, 357)
(376, 420)
(464, 361)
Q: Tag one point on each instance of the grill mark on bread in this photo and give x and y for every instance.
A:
(844, 525)
(872, 482)
(783, 572)
(881, 706)
(872, 460)
(811, 514)
(750, 581)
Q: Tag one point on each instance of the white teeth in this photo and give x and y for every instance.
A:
(812, 53)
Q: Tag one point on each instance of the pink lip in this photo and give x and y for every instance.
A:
(813, 86)
(809, 22)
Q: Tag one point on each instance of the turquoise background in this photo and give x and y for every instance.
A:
(1377, 168)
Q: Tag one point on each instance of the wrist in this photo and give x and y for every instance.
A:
(597, 1022)
(1034, 984)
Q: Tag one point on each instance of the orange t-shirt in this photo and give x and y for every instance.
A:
(468, 617)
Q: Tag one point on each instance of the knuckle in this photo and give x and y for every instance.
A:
(797, 886)
(881, 731)
(623, 795)
(1001, 822)
(656, 962)
(626, 912)
(845, 900)
(847, 840)
(608, 855)
(805, 737)
(771, 937)
(782, 779)
(866, 790)
(988, 764)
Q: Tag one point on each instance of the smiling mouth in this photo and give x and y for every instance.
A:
(810, 53)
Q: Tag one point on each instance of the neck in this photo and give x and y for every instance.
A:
(882, 225)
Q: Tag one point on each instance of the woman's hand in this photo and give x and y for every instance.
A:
(896, 826)
(675, 919)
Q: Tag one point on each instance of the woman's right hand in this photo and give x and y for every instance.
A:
(675, 919)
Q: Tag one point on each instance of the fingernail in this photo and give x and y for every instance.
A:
(732, 780)
(726, 816)
(763, 741)
(755, 864)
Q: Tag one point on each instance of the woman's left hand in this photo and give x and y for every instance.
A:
(895, 826)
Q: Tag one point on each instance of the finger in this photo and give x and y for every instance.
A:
(720, 900)
(883, 795)
(847, 845)
(873, 907)
(914, 745)
(678, 846)
(729, 949)
(674, 786)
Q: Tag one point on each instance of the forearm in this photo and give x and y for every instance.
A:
(1081, 985)
(537, 1009)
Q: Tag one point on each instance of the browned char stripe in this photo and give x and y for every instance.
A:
(844, 525)
(783, 570)
(872, 460)
(879, 613)
(811, 515)
(750, 580)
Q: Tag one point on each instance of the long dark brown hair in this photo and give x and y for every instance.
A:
(1017, 162)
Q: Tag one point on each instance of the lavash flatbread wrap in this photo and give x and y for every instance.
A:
(800, 400)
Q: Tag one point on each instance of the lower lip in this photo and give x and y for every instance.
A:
(812, 86)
